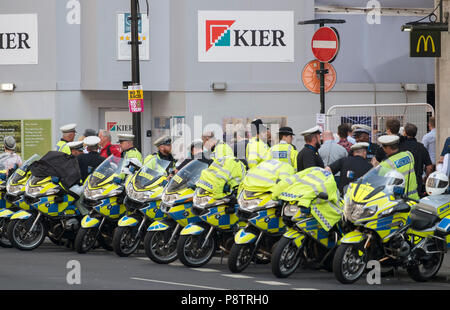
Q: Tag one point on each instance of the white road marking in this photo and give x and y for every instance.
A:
(180, 284)
(305, 289)
(143, 258)
(272, 283)
(205, 269)
(237, 276)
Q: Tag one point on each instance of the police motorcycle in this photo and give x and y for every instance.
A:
(160, 242)
(5, 206)
(264, 228)
(390, 228)
(104, 193)
(143, 197)
(310, 239)
(48, 209)
(198, 242)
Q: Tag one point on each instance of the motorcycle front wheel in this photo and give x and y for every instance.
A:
(125, 241)
(85, 239)
(4, 241)
(286, 258)
(240, 257)
(190, 250)
(157, 247)
(21, 237)
(348, 263)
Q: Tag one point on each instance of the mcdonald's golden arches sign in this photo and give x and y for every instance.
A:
(425, 44)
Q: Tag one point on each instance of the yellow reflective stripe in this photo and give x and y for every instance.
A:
(260, 178)
(320, 215)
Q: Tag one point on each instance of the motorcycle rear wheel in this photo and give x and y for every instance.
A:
(157, 249)
(124, 243)
(348, 264)
(429, 266)
(20, 237)
(285, 258)
(190, 252)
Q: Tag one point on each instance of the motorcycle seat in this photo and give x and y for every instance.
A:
(421, 220)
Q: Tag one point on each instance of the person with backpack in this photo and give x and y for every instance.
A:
(107, 149)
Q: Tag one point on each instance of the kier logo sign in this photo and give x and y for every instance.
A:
(245, 36)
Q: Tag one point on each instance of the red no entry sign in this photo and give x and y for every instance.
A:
(325, 44)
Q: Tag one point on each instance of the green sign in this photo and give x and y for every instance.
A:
(37, 137)
(425, 44)
(32, 136)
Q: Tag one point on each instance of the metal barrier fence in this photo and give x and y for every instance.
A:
(375, 116)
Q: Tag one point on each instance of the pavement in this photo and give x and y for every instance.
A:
(50, 267)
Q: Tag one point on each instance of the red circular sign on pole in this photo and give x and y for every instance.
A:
(325, 44)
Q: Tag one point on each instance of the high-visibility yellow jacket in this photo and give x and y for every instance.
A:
(403, 162)
(284, 152)
(223, 171)
(266, 175)
(255, 152)
(132, 153)
(304, 187)
(62, 146)
(221, 150)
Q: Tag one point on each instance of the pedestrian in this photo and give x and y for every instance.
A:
(127, 146)
(420, 153)
(352, 167)
(362, 134)
(343, 132)
(14, 160)
(429, 139)
(445, 150)
(392, 129)
(350, 134)
(284, 151)
(330, 151)
(90, 161)
(401, 161)
(106, 147)
(68, 135)
(256, 149)
(309, 155)
(76, 148)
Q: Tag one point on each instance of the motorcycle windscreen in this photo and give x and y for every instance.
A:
(381, 179)
(20, 172)
(111, 166)
(186, 177)
(151, 172)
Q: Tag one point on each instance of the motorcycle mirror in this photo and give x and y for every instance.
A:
(55, 180)
(117, 180)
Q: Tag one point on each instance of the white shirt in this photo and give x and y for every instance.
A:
(429, 141)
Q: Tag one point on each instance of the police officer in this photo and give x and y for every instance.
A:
(90, 161)
(403, 162)
(361, 133)
(351, 167)
(215, 148)
(76, 148)
(256, 148)
(127, 146)
(164, 145)
(309, 156)
(68, 135)
(284, 151)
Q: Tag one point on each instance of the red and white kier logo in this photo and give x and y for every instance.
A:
(246, 36)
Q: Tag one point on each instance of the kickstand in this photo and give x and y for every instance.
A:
(221, 256)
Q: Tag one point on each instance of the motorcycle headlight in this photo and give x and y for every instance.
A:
(290, 210)
(169, 199)
(35, 191)
(368, 211)
(138, 196)
(201, 202)
(354, 211)
(14, 189)
(96, 194)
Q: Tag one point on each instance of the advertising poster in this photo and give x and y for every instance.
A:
(118, 122)
(124, 36)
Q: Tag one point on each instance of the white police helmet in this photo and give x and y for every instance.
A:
(437, 183)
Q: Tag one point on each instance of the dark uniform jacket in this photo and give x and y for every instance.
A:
(88, 163)
(309, 157)
(357, 164)
(421, 157)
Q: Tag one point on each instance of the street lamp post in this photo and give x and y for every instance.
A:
(135, 73)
